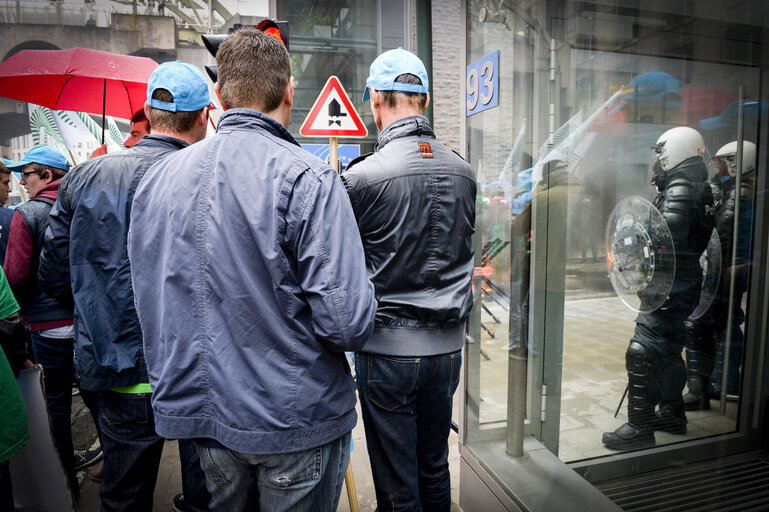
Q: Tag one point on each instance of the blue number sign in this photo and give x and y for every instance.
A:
(482, 84)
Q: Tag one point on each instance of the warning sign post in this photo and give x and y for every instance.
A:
(333, 116)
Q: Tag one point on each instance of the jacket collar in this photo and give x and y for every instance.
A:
(160, 140)
(403, 127)
(249, 118)
(693, 169)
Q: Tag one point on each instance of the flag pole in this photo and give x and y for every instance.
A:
(103, 110)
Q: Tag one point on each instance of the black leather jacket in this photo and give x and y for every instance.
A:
(414, 200)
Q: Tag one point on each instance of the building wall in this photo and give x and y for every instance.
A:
(448, 73)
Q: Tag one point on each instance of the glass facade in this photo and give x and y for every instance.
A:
(331, 38)
(608, 288)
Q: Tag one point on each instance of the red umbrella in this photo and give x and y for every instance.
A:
(78, 79)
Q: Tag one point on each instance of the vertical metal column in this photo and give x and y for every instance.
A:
(733, 263)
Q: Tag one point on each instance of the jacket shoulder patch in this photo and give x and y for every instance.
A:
(426, 149)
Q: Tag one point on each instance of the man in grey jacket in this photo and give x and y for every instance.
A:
(414, 200)
(252, 285)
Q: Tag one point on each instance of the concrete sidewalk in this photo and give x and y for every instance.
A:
(169, 481)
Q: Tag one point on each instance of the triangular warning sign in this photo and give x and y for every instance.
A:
(333, 115)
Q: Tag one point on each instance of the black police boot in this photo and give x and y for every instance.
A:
(699, 366)
(697, 398)
(638, 432)
(628, 437)
(670, 421)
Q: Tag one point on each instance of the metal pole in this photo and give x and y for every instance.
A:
(518, 355)
(733, 263)
(103, 110)
(333, 156)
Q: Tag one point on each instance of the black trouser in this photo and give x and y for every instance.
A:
(656, 370)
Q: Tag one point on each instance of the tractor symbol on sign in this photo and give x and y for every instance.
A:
(335, 111)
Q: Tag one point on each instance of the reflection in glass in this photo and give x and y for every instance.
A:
(640, 254)
(596, 88)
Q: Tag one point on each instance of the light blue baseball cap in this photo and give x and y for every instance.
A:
(392, 64)
(43, 155)
(184, 81)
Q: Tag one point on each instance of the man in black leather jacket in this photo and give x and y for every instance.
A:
(414, 201)
(656, 371)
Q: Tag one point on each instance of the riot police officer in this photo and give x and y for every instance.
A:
(656, 371)
(705, 333)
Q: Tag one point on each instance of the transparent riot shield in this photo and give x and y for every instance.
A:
(710, 261)
(640, 254)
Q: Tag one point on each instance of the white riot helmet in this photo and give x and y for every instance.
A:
(726, 158)
(678, 144)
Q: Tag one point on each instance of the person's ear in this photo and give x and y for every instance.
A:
(219, 96)
(47, 176)
(427, 103)
(147, 114)
(289, 97)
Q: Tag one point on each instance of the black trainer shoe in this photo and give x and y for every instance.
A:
(628, 437)
(670, 422)
(85, 458)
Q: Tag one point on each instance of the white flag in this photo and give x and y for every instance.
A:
(73, 131)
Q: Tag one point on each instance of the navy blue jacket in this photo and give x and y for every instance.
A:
(6, 215)
(84, 257)
(250, 283)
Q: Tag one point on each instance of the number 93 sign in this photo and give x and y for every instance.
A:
(482, 84)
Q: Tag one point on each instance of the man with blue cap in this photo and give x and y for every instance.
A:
(85, 259)
(414, 200)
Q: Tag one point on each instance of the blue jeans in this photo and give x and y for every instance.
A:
(406, 405)
(307, 481)
(56, 357)
(132, 452)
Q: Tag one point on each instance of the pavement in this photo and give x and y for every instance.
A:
(169, 482)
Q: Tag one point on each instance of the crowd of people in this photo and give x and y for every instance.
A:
(206, 289)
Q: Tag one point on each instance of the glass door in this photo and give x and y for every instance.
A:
(624, 287)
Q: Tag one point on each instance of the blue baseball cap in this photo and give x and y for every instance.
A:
(392, 64)
(43, 155)
(752, 110)
(184, 81)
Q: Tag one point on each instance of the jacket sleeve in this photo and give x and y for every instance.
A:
(19, 259)
(53, 272)
(677, 209)
(330, 262)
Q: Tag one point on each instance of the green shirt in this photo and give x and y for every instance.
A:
(14, 432)
(8, 304)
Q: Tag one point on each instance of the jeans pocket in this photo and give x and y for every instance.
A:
(290, 469)
(127, 416)
(390, 380)
(456, 368)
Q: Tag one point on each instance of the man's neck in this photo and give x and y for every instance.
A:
(186, 137)
(390, 116)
